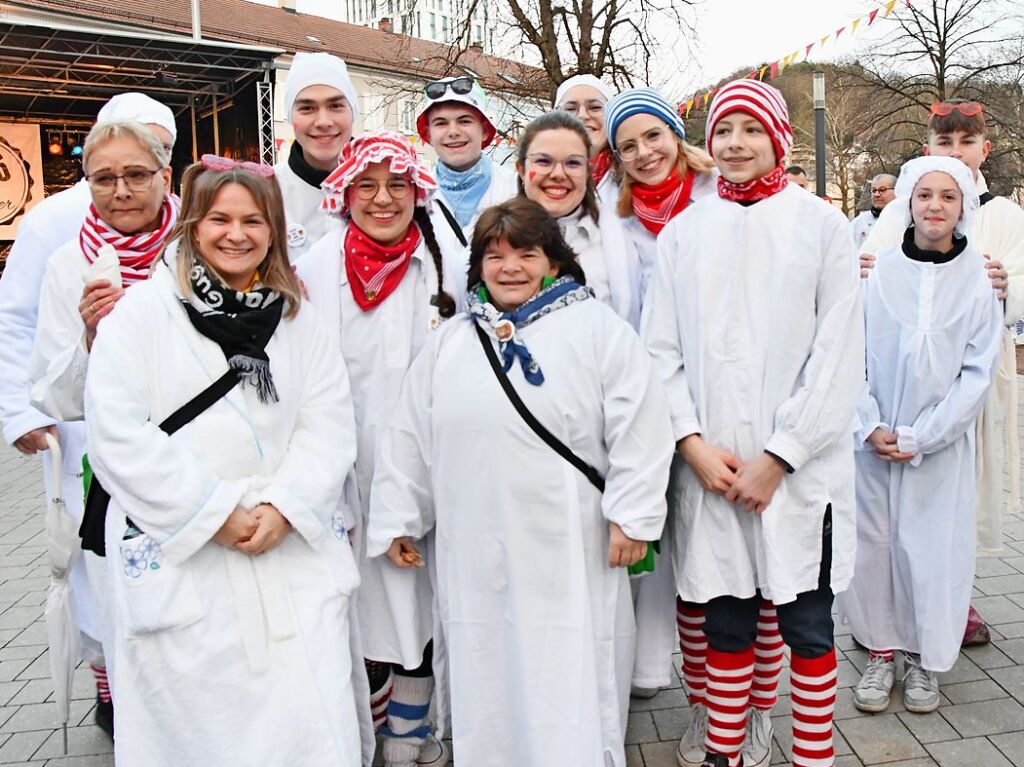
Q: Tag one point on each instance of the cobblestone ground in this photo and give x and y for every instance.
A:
(980, 721)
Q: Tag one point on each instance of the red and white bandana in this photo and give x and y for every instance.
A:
(136, 252)
(372, 148)
(759, 100)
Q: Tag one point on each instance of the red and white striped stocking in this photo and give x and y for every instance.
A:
(814, 700)
(728, 694)
(693, 644)
(767, 659)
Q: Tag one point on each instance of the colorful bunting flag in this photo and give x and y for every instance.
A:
(760, 75)
(853, 27)
(839, 32)
(871, 16)
(890, 6)
(807, 52)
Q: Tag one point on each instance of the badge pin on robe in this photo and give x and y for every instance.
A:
(504, 330)
(296, 235)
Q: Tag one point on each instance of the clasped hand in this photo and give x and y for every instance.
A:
(884, 443)
(253, 531)
(750, 485)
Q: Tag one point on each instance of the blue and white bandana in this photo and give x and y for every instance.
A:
(465, 189)
(561, 293)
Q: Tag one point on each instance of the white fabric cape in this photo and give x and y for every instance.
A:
(997, 232)
(933, 343)
(862, 226)
(378, 347)
(249, 656)
(540, 629)
(755, 327)
(306, 222)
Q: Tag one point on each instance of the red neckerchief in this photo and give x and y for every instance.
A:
(755, 190)
(375, 270)
(600, 165)
(657, 204)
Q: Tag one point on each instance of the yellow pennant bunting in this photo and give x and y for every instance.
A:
(853, 26)
(760, 75)
(889, 7)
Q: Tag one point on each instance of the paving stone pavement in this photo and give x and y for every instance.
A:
(979, 722)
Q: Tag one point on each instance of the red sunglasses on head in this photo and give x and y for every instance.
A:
(966, 108)
(217, 163)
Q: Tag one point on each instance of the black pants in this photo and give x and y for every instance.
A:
(378, 672)
(805, 624)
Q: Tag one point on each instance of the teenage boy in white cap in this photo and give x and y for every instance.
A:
(46, 227)
(754, 322)
(453, 120)
(322, 107)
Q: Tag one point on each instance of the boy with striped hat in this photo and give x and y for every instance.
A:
(754, 322)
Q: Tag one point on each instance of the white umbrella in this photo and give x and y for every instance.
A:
(64, 547)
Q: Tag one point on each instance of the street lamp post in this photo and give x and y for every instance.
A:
(819, 132)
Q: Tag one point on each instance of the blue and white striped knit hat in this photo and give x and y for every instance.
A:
(639, 101)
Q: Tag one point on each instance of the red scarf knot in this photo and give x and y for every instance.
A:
(375, 270)
(657, 204)
(757, 189)
(600, 164)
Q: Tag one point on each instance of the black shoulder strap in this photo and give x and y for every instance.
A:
(550, 439)
(92, 530)
(201, 402)
(453, 223)
(985, 197)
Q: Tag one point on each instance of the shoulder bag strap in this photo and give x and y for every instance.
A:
(550, 439)
(94, 516)
(453, 223)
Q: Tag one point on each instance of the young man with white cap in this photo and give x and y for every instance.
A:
(754, 321)
(322, 107)
(45, 228)
(453, 120)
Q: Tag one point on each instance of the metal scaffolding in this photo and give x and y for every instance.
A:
(265, 115)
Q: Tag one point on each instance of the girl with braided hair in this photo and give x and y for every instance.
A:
(377, 279)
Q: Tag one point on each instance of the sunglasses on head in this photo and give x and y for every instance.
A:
(460, 85)
(966, 108)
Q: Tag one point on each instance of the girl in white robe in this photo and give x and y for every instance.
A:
(933, 333)
(554, 170)
(532, 596)
(380, 319)
(231, 572)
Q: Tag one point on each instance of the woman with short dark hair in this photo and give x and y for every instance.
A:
(530, 552)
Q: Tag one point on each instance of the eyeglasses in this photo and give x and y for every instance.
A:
(591, 106)
(882, 190)
(573, 165)
(218, 163)
(137, 180)
(368, 188)
(652, 139)
(460, 86)
(966, 108)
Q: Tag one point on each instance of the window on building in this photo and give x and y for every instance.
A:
(433, 26)
(478, 34)
(408, 123)
(419, 24)
(444, 28)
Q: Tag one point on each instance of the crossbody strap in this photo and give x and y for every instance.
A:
(550, 439)
(201, 402)
(453, 223)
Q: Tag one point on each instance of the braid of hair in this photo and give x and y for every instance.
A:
(445, 303)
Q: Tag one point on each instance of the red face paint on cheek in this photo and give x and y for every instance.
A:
(533, 175)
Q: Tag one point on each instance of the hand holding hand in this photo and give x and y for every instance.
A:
(403, 553)
(756, 483)
(239, 526)
(867, 263)
(98, 299)
(715, 468)
(271, 529)
(623, 551)
(884, 443)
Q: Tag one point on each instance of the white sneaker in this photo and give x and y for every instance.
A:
(757, 743)
(873, 690)
(433, 752)
(920, 687)
(691, 750)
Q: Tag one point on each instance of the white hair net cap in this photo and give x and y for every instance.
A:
(319, 69)
(590, 80)
(913, 171)
(140, 108)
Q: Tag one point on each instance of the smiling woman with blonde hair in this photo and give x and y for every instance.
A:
(220, 422)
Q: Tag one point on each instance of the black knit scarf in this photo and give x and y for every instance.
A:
(242, 324)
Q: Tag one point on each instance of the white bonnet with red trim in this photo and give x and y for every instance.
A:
(367, 149)
(759, 100)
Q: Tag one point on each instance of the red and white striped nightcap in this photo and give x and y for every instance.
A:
(759, 100)
(369, 148)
